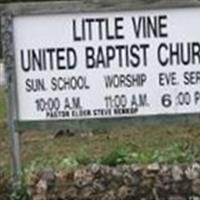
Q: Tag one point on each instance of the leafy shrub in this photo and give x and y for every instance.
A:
(5, 188)
(83, 158)
(173, 154)
(20, 192)
(118, 156)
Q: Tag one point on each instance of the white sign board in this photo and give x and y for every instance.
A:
(103, 65)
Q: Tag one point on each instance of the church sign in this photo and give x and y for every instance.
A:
(107, 64)
(80, 61)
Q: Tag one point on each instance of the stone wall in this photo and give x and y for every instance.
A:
(96, 182)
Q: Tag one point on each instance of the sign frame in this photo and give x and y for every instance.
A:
(59, 7)
(10, 11)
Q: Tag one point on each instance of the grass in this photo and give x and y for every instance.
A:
(3, 105)
(169, 143)
(146, 145)
(4, 147)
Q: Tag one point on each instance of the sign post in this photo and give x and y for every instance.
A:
(11, 97)
(88, 62)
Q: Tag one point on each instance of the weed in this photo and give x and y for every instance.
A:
(83, 158)
(68, 163)
(119, 155)
(5, 188)
(20, 192)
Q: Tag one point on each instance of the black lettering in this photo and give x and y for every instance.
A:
(120, 48)
(71, 58)
(191, 78)
(89, 23)
(137, 26)
(136, 58)
(27, 67)
(151, 26)
(118, 27)
(50, 52)
(75, 37)
(185, 53)
(36, 60)
(196, 53)
(90, 61)
(100, 29)
(108, 35)
(110, 54)
(162, 26)
(35, 85)
(174, 53)
(100, 58)
(144, 48)
(59, 58)
(162, 60)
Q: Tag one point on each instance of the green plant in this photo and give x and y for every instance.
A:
(83, 158)
(68, 162)
(4, 186)
(117, 156)
(174, 153)
(3, 104)
(20, 191)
